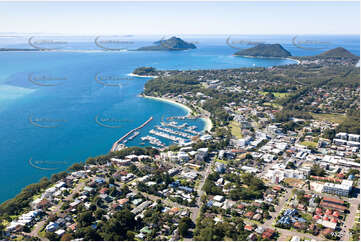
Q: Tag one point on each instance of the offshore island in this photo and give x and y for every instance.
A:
(279, 159)
(171, 44)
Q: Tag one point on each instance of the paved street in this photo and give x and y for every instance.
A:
(349, 222)
(279, 207)
(39, 225)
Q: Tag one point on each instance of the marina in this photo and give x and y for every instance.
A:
(172, 131)
(131, 137)
(168, 136)
(117, 143)
(152, 140)
(179, 133)
(173, 124)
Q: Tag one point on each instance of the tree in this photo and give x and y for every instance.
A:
(206, 234)
(91, 235)
(92, 207)
(51, 236)
(249, 157)
(76, 167)
(291, 165)
(99, 213)
(86, 218)
(66, 237)
(184, 225)
(317, 171)
(118, 226)
(2, 227)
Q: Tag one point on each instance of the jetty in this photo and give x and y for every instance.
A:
(116, 143)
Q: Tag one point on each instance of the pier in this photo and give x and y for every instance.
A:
(116, 143)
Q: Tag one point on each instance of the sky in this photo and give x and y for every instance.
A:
(82, 18)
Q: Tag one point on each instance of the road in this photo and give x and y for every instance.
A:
(200, 192)
(279, 207)
(39, 225)
(350, 219)
(285, 234)
(194, 210)
(35, 231)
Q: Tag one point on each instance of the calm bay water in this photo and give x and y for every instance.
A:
(56, 122)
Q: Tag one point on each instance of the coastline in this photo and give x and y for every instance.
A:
(135, 75)
(298, 62)
(208, 123)
(162, 99)
(264, 57)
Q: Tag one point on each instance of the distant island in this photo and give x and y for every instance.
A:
(265, 50)
(17, 49)
(172, 43)
(338, 52)
(145, 71)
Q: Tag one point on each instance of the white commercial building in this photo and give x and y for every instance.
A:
(342, 189)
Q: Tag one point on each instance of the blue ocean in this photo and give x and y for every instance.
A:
(61, 107)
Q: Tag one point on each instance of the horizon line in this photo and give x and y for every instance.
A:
(174, 34)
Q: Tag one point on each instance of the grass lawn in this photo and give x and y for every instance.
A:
(309, 144)
(19, 238)
(5, 223)
(335, 118)
(222, 161)
(276, 94)
(13, 217)
(36, 196)
(275, 105)
(42, 233)
(235, 130)
(251, 221)
(293, 181)
(306, 216)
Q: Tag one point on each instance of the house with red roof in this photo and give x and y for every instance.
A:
(328, 212)
(249, 214)
(104, 190)
(299, 225)
(336, 214)
(123, 201)
(266, 235)
(248, 228)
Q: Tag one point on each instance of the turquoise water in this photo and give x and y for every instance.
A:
(53, 121)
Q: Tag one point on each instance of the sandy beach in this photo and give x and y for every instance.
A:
(298, 62)
(135, 75)
(170, 101)
(264, 57)
(208, 121)
(208, 125)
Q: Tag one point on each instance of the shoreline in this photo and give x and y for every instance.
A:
(298, 62)
(265, 57)
(168, 100)
(208, 123)
(135, 75)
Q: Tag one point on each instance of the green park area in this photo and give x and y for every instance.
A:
(235, 129)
